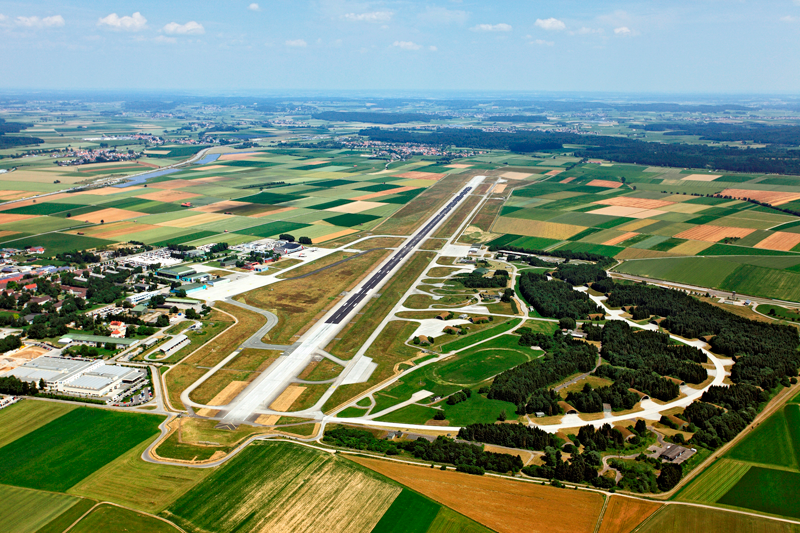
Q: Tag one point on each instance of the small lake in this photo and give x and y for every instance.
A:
(141, 178)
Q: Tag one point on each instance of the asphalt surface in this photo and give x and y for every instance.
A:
(352, 302)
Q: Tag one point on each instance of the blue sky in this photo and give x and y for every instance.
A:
(699, 46)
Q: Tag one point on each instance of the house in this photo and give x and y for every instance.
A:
(30, 287)
(35, 250)
(673, 453)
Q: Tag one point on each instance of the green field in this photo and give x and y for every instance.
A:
(409, 512)
(25, 510)
(771, 442)
(685, 519)
(714, 482)
(766, 490)
(469, 340)
(27, 415)
(148, 487)
(110, 518)
(293, 488)
(63, 452)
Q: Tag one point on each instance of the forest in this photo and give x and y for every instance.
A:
(651, 351)
(510, 436)
(15, 127)
(372, 117)
(726, 132)
(555, 299)
(771, 159)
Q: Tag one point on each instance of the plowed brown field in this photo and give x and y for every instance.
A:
(503, 505)
(770, 197)
(605, 183)
(624, 514)
(709, 233)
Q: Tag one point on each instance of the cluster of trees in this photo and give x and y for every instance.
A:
(78, 257)
(526, 385)
(651, 351)
(461, 396)
(179, 247)
(555, 298)
(15, 127)
(16, 387)
(650, 383)
(218, 248)
(100, 290)
(561, 254)
(771, 159)
(262, 186)
(12, 342)
(510, 436)
(580, 273)
(581, 468)
(467, 457)
(591, 400)
(473, 280)
(717, 426)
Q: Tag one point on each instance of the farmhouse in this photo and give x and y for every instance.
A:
(96, 340)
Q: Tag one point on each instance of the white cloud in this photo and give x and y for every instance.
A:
(492, 27)
(542, 42)
(163, 39)
(2, 17)
(551, 24)
(190, 28)
(134, 22)
(586, 31)
(36, 22)
(622, 30)
(787, 18)
(442, 15)
(433, 48)
(296, 43)
(254, 7)
(407, 45)
(374, 16)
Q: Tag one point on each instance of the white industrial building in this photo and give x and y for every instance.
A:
(140, 297)
(174, 344)
(83, 377)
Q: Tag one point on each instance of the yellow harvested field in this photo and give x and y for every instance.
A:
(690, 247)
(416, 175)
(622, 514)
(356, 207)
(220, 206)
(196, 220)
(639, 203)
(701, 177)
(458, 165)
(770, 197)
(709, 233)
(515, 175)
(420, 182)
(6, 233)
(553, 173)
(629, 212)
(236, 157)
(685, 208)
(780, 240)
(24, 203)
(267, 420)
(620, 238)
(115, 230)
(168, 196)
(567, 180)
(230, 392)
(383, 193)
(211, 167)
(634, 225)
(111, 214)
(605, 183)
(287, 398)
(12, 195)
(505, 506)
(536, 228)
(501, 187)
(335, 235)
